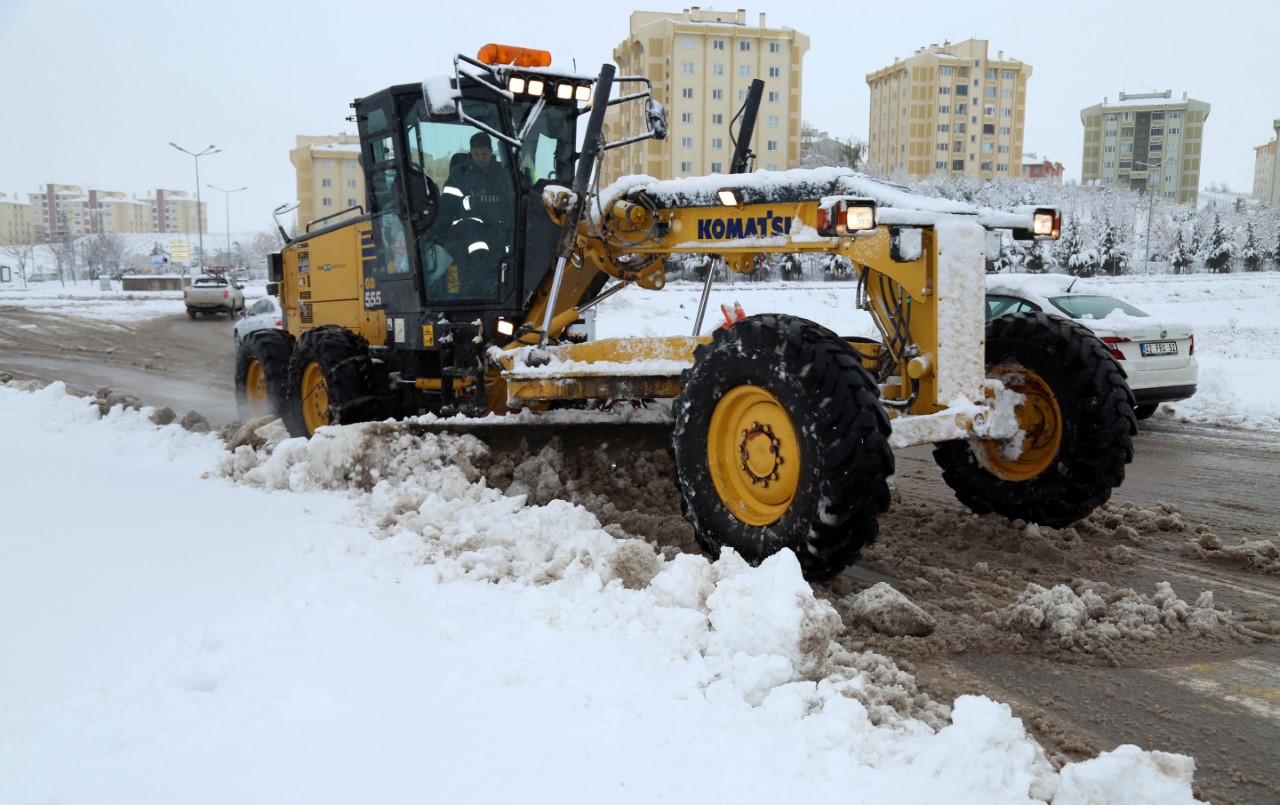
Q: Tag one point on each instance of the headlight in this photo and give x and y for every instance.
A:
(583, 93)
(516, 85)
(536, 86)
(564, 91)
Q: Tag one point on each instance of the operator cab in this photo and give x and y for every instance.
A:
(454, 184)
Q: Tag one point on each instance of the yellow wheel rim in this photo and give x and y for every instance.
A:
(315, 398)
(255, 389)
(1040, 419)
(754, 455)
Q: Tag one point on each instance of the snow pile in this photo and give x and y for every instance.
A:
(368, 614)
(1087, 620)
(1259, 555)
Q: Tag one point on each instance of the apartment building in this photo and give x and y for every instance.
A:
(68, 211)
(1036, 168)
(17, 222)
(329, 178)
(1147, 142)
(1264, 170)
(701, 63)
(948, 109)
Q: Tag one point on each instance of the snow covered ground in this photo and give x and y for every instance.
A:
(185, 625)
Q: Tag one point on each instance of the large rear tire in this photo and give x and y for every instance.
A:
(781, 442)
(1078, 421)
(330, 381)
(262, 374)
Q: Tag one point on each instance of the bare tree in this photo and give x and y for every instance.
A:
(21, 254)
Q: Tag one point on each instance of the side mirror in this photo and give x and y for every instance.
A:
(273, 289)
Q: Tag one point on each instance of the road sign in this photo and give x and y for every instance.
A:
(180, 251)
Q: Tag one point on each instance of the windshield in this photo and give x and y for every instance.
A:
(547, 149)
(1082, 306)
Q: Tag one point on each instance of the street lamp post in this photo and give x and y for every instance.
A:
(1151, 203)
(199, 214)
(227, 198)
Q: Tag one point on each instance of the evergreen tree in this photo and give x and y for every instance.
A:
(1180, 256)
(1220, 248)
(1250, 255)
(1111, 255)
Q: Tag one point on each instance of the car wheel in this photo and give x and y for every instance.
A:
(1145, 410)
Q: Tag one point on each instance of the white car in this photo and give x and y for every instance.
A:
(264, 314)
(1158, 356)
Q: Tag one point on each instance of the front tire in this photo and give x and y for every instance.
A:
(781, 442)
(330, 381)
(262, 374)
(1078, 420)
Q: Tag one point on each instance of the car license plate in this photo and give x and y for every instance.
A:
(1160, 348)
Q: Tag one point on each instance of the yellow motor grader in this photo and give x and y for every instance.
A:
(456, 289)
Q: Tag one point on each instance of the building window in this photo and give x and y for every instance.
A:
(990, 92)
(991, 74)
(717, 143)
(773, 121)
(742, 94)
(326, 202)
(1006, 112)
(1125, 164)
(1157, 131)
(1108, 165)
(1006, 93)
(1128, 117)
(717, 119)
(717, 44)
(962, 89)
(1110, 149)
(744, 70)
(326, 163)
(1004, 149)
(944, 71)
(1156, 147)
(988, 128)
(1110, 133)
(958, 146)
(944, 90)
(775, 47)
(326, 183)
(687, 92)
(774, 97)
(687, 68)
(1157, 115)
(351, 202)
(944, 109)
(960, 127)
(1007, 75)
(988, 147)
(1002, 167)
(351, 183)
(717, 69)
(1126, 148)
(957, 164)
(717, 167)
(717, 94)
(940, 165)
(775, 72)
(962, 109)
(686, 167)
(1174, 130)
(744, 45)
(772, 145)
(944, 127)
(986, 166)
(686, 117)
(687, 42)
(941, 147)
(1004, 131)
(988, 111)
(686, 142)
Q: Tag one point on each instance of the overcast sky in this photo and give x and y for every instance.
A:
(93, 92)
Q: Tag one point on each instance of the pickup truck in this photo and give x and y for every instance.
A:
(213, 295)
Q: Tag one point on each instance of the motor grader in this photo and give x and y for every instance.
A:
(434, 300)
